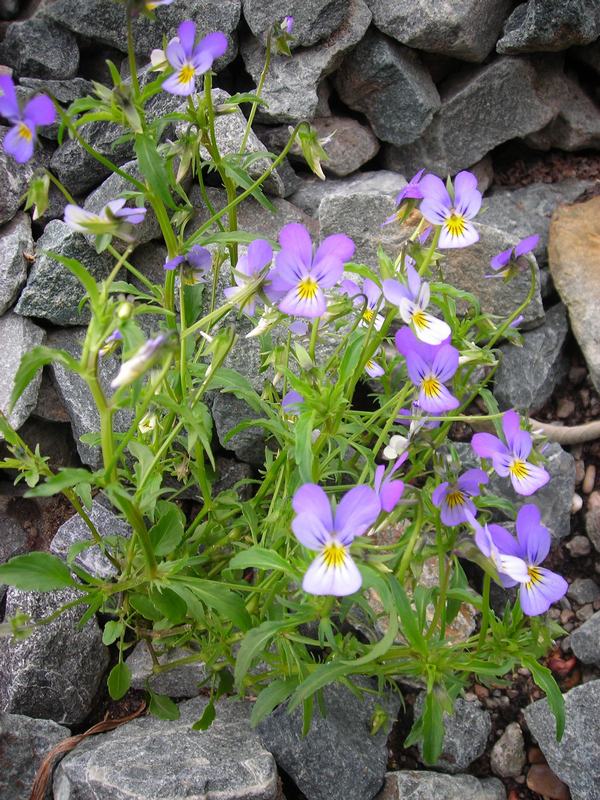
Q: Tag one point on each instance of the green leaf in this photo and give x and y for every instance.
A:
(34, 360)
(207, 718)
(433, 729)
(119, 680)
(144, 606)
(153, 168)
(162, 706)
(113, 630)
(225, 602)
(303, 451)
(170, 603)
(271, 697)
(322, 675)
(545, 680)
(255, 642)
(65, 479)
(168, 532)
(408, 617)
(260, 558)
(38, 572)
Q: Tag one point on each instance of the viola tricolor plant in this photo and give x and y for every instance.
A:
(347, 378)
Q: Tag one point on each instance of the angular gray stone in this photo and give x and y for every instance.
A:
(16, 242)
(466, 732)
(38, 48)
(76, 396)
(14, 181)
(528, 375)
(13, 540)
(55, 672)
(585, 640)
(314, 20)
(18, 337)
(153, 758)
(318, 763)
(183, 681)
(423, 785)
(387, 82)
(576, 758)
(24, 743)
(248, 444)
(577, 124)
(550, 25)
(583, 590)
(52, 291)
(311, 190)
(75, 530)
(64, 91)
(467, 30)
(290, 89)
(515, 96)
(507, 758)
(104, 22)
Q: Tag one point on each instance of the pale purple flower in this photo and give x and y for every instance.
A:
(389, 491)
(189, 59)
(503, 262)
(453, 214)
(454, 499)
(412, 191)
(412, 301)
(511, 458)
(21, 138)
(299, 277)
(291, 403)
(369, 296)
(114, 219)
(333, 572)
(139, 363)
(299, 327)
(517, 560)
(196, 264)
(373, 368)
(288, 24)
(248, 269)
(429, 368)
(152, 4)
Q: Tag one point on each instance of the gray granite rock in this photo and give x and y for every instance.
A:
(13, 539)
(314, 20)
(318, 763)
(528, 375)
(49, 406)
(583, 590)
(577, 124)
(16, 243)
(515, 96)
(576, 758)
(52, 292)
(24, 742)
(311, 190)
(466, 732)
(423, 785)
(388, 83)
(149, 757)
(467, 30)
(18, 337)
(290, 90)
(507, 757)
(77, 398)
(183, 681)
(248, 444)
(550, 25)
(55, 672)
(38, 48)
(75, 530)
(104, 22)
(585, 640)
(14, 181)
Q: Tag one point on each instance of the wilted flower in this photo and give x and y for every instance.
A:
(452, 213)
(429, 367)
(189, 59)
(312, 148)
(454, 499)
(139, 363)
(412, 300)
(248, 269)
(396, 447)
(333, 571)
(20, 139)
(112, 220)
(506, 264)
(298, 279)
(511, 458)
(196, 264)
(411, 192)
(389, 491)
(282, 36)
(148, 423)
(369, 295)
(517, 560)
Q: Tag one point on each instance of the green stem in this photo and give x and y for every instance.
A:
(410, 545)
(506, 324)
(68, 196)
(485, 613)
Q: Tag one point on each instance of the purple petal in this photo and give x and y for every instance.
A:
(445, 362)
(174, 85)
(527, 245)
(534, 538)
(390, 494)
(457, 514)
(434, 188)
(467, 198)
(534, 478)
(311, 498)
(486, 445)
(310, 531)
(372, 292)
(213, 44)
(18, 146)
(298, 304)
(260, 253)
(339, 580)
(9, 106)
(173, 263)
(175, 54)
(201, 61)
(199, 257)
(511, 424)
(504, 541)
(40, 111)
(291, 402)
(417, 368)
(338, 245)
(537, 597)
(357, 511)
(289, 271)
(407, 342)
(437, 400)
(394, 292)
(501, 260)
(502, 463)
(327, 271)
(434, 211)
(414, 280)
(521, 444)
(295, 238)
(186, 34)
(470, 481)
(373, 369)
(350, 288)
(439, 493)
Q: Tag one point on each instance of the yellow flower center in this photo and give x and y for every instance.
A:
(456, 224)
(368, 315)
(519, 469)
(455, 498)
(535, 577)
(431, 386)
(334, 555)
(186, 73)
(307, 288)
(25, 132)
(419, 319)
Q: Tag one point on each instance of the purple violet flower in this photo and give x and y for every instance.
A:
(196, 264)
(368, 296)
(454, 499)
(517, 560)
(139, 362)
(373, 368)
(388, 490)
(288, 24)
(299, 277)
(412, 300)
(453, 214)
(291, 403)
(248, 269)
(504, 261)
(189, 59)
(511, 458)
(412, 191)
(21, 138)
(114, 219)
(333, 571)
(429, 367)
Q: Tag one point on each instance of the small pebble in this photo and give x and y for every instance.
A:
(579, 471)
(565, 644)
(596, 604)
(535, 756)
(507, 758)
(577, 451)
(566, 615)
(579, 546)
(583, 590)
(542, 780)
(520, 779)
(524, 672)
(564, 602)
(554, 613)
(576, 503)
(585, 612)
(590, 479)
(565, 408)
(585, 398)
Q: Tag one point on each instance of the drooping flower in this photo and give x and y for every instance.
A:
(288, 24)
(112, 220)
(412, 191)
(21, 138)
(429, 368)
(517, 560)
(389, 491)
(373, 368)
(316, 526)
(110, 343)
(452, 213)
(368, 296)
(189, 59)
(454, 499)
(248, 269)
(139, 363)
(412, 301)
(505, 264)
(299, 277)
(196, 264)
(510, 459)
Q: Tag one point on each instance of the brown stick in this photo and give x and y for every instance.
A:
(572, 434)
